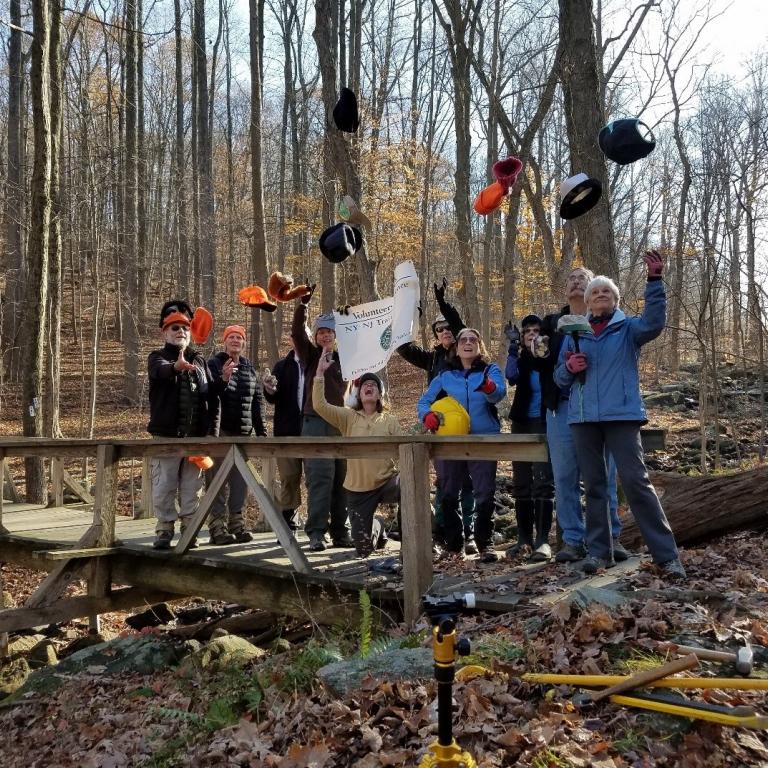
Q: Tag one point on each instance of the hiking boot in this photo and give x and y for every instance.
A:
(163, 540)
(221, 539)
(594, 564)
(541, 554)
(571, 553)
(489, 555)
(316, 543)
(193, 543)
(470, 546)
(619, 553)
(673, 569)
(343, 543)
(243, 537)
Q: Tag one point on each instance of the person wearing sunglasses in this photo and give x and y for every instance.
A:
(434, 360)
(477, 384)
(182, 403)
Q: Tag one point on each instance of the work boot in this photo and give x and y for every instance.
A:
(470, 546)
(542, 552)
(163, 540)
(291, 518)
(594, 564)
(221, 538)
(489, 555)
(344, 542)
(673, 569)
(619, 553)
(242, 536)
(524, 514)
(316, 542)
(571, 553)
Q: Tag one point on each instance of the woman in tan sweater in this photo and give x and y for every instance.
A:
(369, 482)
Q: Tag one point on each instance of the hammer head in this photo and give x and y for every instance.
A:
(744, 659)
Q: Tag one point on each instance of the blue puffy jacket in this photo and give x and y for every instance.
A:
(461, 385)
(611, 390)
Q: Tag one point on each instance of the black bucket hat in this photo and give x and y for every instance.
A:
(626, 140)
(345, 113)
(579, 194)
(340, 241)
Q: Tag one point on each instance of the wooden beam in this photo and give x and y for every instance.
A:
(74, 554)
(319, 602)
(105, 502)
(77, 488)
(147, 507)
(416, 540)
(273, 516)
(16, 619)
(195, 522)
(517, 451)
(7, 480)
(57, 481)
(99, 585)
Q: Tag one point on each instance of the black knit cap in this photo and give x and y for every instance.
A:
(626, 140)
(345, 113)
(529, 320)
(175, 305)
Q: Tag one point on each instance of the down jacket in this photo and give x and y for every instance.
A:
(611, 389)
(462, 386)
(242, 399)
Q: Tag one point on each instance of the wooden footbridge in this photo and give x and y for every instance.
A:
(89, 542)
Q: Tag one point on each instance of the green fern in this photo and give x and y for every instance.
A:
(366, 624)
(179, 714)
(221, 714)
(384, 644)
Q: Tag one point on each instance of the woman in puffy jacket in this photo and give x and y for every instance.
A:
(606, 410)
(477, 384)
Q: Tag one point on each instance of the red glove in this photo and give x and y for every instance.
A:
(655, 263)
(432, 421)
(575, 362)
(487, 387)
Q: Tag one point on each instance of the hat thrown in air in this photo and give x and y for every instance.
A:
(627, 140)
(579, 194)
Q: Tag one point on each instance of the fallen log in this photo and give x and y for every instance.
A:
(243, 624)
(700, 508)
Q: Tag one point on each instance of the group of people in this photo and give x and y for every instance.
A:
(581, 388)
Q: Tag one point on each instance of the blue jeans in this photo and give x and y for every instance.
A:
(565, 468)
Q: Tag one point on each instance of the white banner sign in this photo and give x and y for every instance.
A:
(370, 333)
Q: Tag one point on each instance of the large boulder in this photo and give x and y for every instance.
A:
(43, 654)
(24, 643)
(13, 674)
(343, 677)
(222, 651)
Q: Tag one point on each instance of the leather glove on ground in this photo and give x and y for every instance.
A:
(575, 362)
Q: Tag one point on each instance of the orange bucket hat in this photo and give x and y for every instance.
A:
(489, 199)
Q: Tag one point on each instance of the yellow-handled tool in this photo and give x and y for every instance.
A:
(603, 681)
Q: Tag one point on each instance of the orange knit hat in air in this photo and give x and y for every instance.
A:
(489, 199)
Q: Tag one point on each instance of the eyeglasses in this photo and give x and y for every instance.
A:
(469, 340)
(179, 328)
(441, 328)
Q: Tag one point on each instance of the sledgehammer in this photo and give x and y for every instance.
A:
(742, 659)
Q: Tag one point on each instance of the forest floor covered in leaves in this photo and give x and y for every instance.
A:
(274, 711)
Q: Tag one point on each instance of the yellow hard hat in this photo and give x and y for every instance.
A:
(456, 418)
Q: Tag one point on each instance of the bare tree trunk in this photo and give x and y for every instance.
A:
(14, 262)
(53, 369)
(130, 237)
(179, 161)
(142, 249)
(36, 299)
(259, 256)
(584, 117)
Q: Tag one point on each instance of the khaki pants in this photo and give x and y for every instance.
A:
(171, 476)
(289, 495)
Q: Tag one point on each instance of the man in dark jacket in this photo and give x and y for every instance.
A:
(242, 414)
(434, 361)
(284, 388)
(182, 403)
(533, 488)
(327, 499)
(562, 449)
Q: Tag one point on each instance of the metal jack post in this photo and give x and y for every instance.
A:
(443, 612)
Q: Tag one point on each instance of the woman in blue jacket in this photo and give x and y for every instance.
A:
(605, 409)
(478, 385)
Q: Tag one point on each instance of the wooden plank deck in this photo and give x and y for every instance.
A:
(34, 528)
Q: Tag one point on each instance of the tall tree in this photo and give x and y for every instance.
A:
(584, 117)
(180, 219)
(36, 297)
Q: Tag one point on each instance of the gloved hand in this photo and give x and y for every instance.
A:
(440, 290)
(343, 309)
(655, 263)
(306, 299)
(433, 420)
(575, 362)
(487, 385)
(512, 332)
(269, 382)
